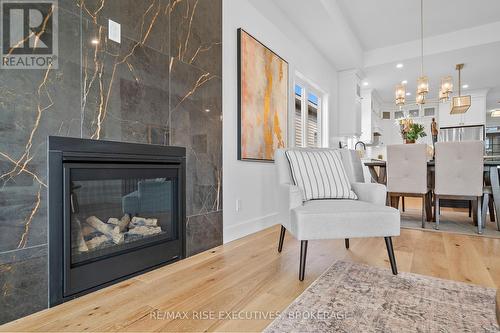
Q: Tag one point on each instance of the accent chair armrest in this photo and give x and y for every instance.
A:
(289, 197)
(295, 196)
(370, 192)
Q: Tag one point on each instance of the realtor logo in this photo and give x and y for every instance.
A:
(29, 34)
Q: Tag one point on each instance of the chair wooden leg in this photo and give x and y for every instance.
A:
(282, 238)
(394, 200)
(347, 243)
(479, 217)
(423, 211)
(403, 203)
(491, 206)
(433, 203)
(474, 211)
(436, 210)
(428, 207)
(486, 198)
(390, 252)
(470, 208)
(303, 254)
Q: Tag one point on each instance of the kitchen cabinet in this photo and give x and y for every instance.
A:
(366, 116)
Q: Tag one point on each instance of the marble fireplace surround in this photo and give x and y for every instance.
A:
(161, 85)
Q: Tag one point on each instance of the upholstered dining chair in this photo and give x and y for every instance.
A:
(407, 175)
(362, 215)
(459, 174)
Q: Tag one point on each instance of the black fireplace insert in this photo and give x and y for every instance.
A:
(115, 210)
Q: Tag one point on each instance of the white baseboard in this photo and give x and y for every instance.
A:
(249, 227)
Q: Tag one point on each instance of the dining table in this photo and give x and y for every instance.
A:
(378, 172)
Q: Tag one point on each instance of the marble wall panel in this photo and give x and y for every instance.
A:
(195, 36)
(161, 85)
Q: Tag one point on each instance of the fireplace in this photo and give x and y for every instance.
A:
(115, 210)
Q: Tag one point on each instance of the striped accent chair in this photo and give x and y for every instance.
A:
(320, 198)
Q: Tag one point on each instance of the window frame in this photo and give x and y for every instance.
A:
(308, 87)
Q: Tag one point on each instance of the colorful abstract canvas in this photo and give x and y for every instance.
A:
(262, 98)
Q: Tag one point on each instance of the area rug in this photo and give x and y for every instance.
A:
(451, 221)
(352, 297)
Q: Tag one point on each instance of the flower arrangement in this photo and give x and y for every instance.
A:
(410, 131)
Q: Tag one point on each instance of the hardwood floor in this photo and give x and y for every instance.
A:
(249, 275)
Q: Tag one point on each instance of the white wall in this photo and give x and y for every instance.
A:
(255, 183)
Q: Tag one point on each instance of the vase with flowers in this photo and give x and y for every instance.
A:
(411, 131)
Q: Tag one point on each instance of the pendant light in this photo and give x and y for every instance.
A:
(446, 88)
(420, 99)
(400, 95)
(423, 81)
(460, 104)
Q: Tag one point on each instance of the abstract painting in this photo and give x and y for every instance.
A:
(262, 100)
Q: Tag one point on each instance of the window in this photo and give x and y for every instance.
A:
(399, 115)
(414, 113)
(307, 120)
(386, 115)
(429, 112)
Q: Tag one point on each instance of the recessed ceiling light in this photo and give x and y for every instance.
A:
(365, 83)
(465, 86)
(400, 65)
(207, 110)
(95, 41)
(408, 94)
(404, 82)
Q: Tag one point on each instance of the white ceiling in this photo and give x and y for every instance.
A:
(481, 71)
(325, 25)
(380, 23)
(374, 35)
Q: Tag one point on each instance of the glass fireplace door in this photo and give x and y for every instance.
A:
(112, 212)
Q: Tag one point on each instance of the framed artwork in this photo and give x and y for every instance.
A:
(262, 100)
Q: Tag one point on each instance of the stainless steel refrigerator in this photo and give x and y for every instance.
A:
(462, 133)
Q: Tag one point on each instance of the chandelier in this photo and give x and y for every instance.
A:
(446, 88)
(460, 104)
(423, 81)
(400, 95)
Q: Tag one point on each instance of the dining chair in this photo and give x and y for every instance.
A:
(459, 174)
(407, 175)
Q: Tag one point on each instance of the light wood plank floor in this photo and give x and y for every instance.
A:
(249, 275)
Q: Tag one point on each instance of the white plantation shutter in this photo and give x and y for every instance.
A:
(307, 116)
(312, 128)
(298, 128)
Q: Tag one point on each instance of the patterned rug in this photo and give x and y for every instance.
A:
(351, 297)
